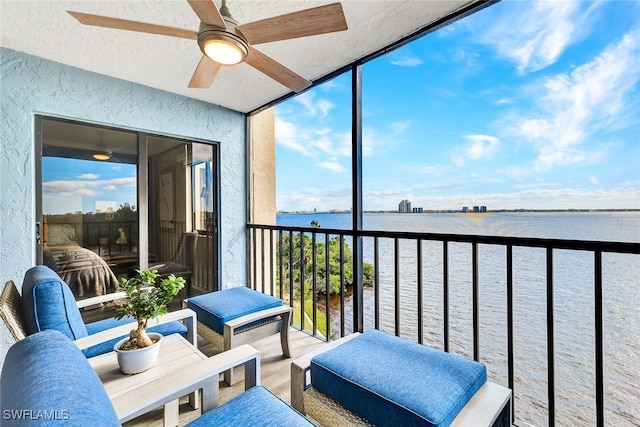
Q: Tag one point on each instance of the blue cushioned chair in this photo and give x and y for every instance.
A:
(48, 303)
(236, 316)
(46, 380)
(380, 379)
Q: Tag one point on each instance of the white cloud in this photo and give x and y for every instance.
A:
(515, 171)
(573, 106)
(80, 187)
(88, 176)
(407, 61)
(504, 101)
(481, 146)
(332, 166)
(376, 141)
(288, 136)
(314, 107)
(537, 38)
(594, 180)
(478, 147)
(310, 141)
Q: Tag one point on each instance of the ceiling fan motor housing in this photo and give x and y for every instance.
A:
(230, 35)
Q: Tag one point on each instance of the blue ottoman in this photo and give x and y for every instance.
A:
(390, 381)
(240, 315)
(255, 407)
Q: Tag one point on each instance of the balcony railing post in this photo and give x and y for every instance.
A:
(358, 285)
(420, 296)
(291, 268)
(476, 303)
(314, 272)
(599, 339)
(262, 259)
(396, 255)
(327, 284)
(551, 385)
(342, 316)
(271, 263)
(510, 349)
(376, 282)
(445, 294)
(302, 279)
(281, 267)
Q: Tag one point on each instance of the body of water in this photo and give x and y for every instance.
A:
(574, 305)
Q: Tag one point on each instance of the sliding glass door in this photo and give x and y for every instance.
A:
(112, 200)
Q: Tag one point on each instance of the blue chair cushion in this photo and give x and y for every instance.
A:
(48, 303)
(390, 381)
(216, 308)
(255, 407)
(107, 346)
(46, 380)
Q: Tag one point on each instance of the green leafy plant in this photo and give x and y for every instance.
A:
(147, 298)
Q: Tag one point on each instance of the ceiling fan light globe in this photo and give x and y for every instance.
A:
(221, 45)
(102, 155)
(223, 52)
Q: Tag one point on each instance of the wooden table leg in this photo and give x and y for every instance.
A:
(171, 413)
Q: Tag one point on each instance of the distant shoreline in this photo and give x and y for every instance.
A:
(459, 211)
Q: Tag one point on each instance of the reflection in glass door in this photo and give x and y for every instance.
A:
(102, 205)
(204, 167)
(89, 198)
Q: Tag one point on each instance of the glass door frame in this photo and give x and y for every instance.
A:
(142, 193)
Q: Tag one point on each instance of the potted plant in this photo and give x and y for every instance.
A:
(147, 298)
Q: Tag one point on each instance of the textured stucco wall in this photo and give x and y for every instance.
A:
(30, 85)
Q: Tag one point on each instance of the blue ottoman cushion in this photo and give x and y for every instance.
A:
(107, 346)
(50, 382)
(390, 381)
(216, 308)
(48, 303)
(255, 407)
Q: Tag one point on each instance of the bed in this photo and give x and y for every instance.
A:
(86, 273)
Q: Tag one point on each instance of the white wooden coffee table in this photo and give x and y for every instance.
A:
(127, 392)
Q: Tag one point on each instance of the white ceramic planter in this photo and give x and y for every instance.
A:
(136, 361)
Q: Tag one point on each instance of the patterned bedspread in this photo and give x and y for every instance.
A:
(86, 273)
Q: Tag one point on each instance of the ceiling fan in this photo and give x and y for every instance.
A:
(102, 152)
(223, 41)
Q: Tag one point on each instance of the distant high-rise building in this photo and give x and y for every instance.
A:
(404, 206)
(465, 209)
(483, 208)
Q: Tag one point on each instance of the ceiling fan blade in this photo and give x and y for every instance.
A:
(308, 22)
(276, 71)
(207, 12)
(124, 24)
(204, 74)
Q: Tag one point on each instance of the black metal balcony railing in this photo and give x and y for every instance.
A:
(278, 257)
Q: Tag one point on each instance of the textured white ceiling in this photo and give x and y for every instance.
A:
(44, 29)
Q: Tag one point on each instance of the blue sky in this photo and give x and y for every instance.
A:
(88, 186)
(522, 105)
